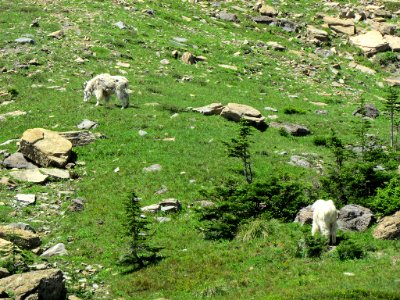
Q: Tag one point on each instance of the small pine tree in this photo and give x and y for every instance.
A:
(240, 147)
(393, 105)
(363, 128)
(140, 252)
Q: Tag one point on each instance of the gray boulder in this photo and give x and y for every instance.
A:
(292, 129)
(370, 111)
(18, 161)
(56, 250)
(355, 218)
(228, 17)
(211, 109)
(236, 112)
(305, 215)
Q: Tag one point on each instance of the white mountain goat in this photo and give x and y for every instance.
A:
(324, 219)
(104, 85)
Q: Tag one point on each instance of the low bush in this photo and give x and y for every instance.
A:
(275, 198)
(350, 250)
(387, 200)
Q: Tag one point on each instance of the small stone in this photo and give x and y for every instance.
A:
(153, 168)
(25, 41)
(120, 25)
(164, 61)
(56, 250)
(142, 132)
(87, 124)
(26, 199)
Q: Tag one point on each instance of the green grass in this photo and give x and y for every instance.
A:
(192, 268)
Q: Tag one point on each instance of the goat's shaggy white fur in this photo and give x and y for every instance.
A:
(104, 85)
(324, 219)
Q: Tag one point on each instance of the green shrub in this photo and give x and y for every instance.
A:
(276, 197)
(387, 58)
(387, 200)
(293, 111)
(320, 141)
(311, 246)
(350, 250)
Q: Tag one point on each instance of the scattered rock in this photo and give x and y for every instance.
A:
(87, 124)
(293, 129)
(305, 215)
(170, 205)
(236, 112)
(4, 273)
(24, 239)
(318, 34)
(275, 46)
(151, 208)
(81, 138)
(393, 41)
(153, 168)
(77, 205)
(163, 219)
(25, 40)
(26, 199)
(340, 25)
(263, 20)
(370, 111)
(18, 161)
(267, 10)
(44, 284)
(188, 58)
(55, 173)
(21, 225)
(120, 25)
(227, 17)
(211, 109)
(46, 148)
(355, 217)
(388, 228)
(361, 68)
(57, 34)
(56, 250)
(370, 43)
(30, 175)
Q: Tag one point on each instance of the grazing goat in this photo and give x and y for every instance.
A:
(324, 219)
(104, 85)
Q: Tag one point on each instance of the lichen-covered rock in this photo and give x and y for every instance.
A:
(24, 239)
(388, 228)
(236, 112)
(305, 215)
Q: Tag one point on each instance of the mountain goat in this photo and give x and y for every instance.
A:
(324, 219)
(104, 85)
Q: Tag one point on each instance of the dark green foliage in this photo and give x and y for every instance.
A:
(320, 141)
(276, 197)
(387, 200)
(349, 249)
(239, 148)
(351, 180)
(311, 246)
(387, 58)
(292, 111)
(140, 253)
(393, 105)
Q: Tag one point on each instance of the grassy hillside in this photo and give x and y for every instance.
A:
(188, 146)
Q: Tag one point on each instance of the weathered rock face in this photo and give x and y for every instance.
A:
(305, 215)
(236, 112)
(46, 148)
(370, 43)
(24, 239)
(394, 42)
(211, 109)
(388, 228)
(44, 284)
(355, 218)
